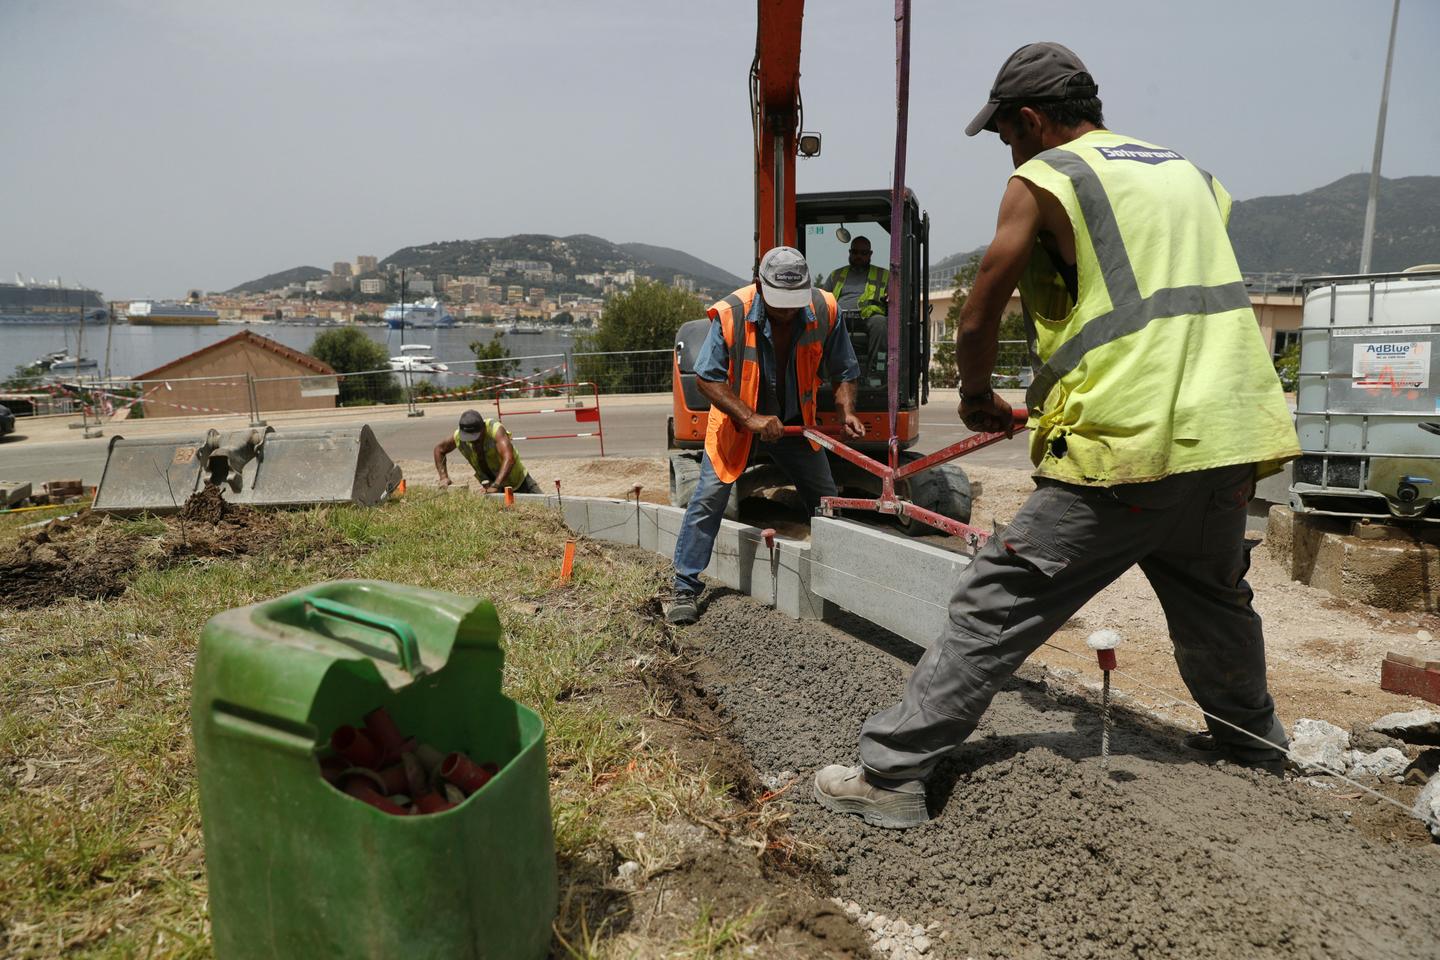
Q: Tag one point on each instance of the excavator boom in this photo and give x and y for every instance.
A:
(775, 113)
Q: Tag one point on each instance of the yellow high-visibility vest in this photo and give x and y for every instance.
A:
(877, 287)
(487, 464)
(1157, 366)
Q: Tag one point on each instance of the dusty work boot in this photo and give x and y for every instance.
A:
(898, 805)
(1208, 750)
(684, 608)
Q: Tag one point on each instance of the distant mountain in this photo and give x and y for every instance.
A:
(1319, 232)
(568, 256)
(275, 281)
(579, 254)
(679, 261)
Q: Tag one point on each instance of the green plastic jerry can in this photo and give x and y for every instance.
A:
(299, 869)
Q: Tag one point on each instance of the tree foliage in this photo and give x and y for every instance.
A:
(645, 317)
(944, 371)
(350, 351)
(494, 357)
(1287, 365)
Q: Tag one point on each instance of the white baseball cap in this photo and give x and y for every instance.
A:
(785, 278)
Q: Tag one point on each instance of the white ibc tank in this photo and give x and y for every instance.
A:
(1367, 410)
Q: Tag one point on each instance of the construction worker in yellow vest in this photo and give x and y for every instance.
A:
(485, 444)
(861, 291)
(1154, 409)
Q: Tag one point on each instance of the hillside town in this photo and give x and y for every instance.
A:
(510, 291)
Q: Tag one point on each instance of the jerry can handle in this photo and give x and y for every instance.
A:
(406, 644)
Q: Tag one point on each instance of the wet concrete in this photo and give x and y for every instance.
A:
(1035, 851)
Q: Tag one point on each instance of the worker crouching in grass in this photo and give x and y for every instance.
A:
(761, 367)
(485, 444)
(1154, 409)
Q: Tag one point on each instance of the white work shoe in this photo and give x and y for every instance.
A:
(846, 790)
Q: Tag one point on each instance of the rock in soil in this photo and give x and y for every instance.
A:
(1034, 850)
(1384, 763)
(1427, 806)
(1413, 726)
(1317, 743)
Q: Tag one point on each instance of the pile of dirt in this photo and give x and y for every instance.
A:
(1037, 852)
(78, 557)
(94, 557)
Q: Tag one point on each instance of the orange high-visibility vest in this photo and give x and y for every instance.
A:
(728, 442)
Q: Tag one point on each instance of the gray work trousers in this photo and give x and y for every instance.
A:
(1187, 533)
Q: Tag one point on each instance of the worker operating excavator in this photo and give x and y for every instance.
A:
(769, 347)
(486, 446)
(861, 290)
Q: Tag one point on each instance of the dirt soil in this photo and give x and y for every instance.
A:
(93, 556)
(1037, 852)
(797, 920)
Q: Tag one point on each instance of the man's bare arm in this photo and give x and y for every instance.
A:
(845, 406)
(506, 450)
(442, 450)
(723, 398)
(977, 340)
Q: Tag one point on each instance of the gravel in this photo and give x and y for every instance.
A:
(1037, 852)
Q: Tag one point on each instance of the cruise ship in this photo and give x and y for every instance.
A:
(421, 313)
(49, 303)
(168, 313)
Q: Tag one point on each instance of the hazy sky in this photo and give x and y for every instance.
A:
(149, 146)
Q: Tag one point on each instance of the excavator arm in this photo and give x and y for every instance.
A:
(775, 112)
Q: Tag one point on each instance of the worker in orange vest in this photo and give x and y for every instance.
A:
(761, 367)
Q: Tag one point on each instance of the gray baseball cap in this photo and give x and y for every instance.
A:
(472, 426)
(785, 278)
(1035, 72)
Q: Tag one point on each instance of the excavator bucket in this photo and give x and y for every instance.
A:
(257, 467)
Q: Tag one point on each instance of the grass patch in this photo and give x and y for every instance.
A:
(100, 841)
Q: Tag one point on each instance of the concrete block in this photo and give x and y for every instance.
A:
(782, 580)
(1396, 574)
(612, 520)
(649, 527)
(667, 522)
(891, 581)
(12, 492)
(740, 559)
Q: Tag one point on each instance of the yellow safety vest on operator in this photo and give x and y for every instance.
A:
(1158, 367)
(877, 286)
(491, 464)
(728, 442)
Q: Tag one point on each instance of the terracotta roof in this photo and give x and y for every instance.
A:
(244, 336)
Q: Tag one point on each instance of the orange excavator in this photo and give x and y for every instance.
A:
(894, 380)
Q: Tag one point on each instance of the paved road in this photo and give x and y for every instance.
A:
(634, 427)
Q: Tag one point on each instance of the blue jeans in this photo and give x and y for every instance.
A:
(807, 469)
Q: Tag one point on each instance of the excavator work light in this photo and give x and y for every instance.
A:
(809, 145)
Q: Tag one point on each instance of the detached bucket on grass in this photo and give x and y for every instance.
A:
(298, 868)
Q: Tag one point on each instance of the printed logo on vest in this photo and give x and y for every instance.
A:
(1133, 151)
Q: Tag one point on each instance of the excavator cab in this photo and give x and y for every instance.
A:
(825, 224)
(823, 219)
